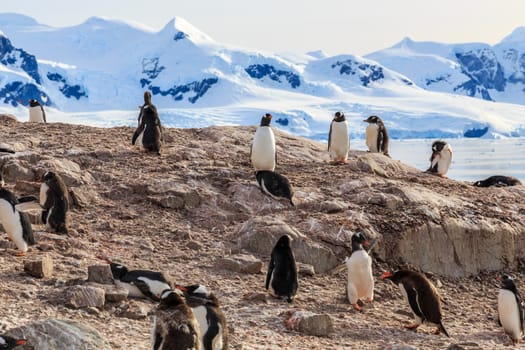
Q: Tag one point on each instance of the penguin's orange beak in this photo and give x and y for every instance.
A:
(366, 243)
(181, 288)
(499, 278)
(21, 342)
(386, 274)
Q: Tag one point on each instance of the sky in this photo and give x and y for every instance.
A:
(300, 26)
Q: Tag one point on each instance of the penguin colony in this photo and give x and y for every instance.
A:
(190, 317)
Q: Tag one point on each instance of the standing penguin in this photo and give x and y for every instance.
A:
(441, 158)
(263, 152)
(510, 309)
(212, 323)
(498, 181)
(8, 343)
(149, 127)
(360, 282)
(147, 102)
(36, 112)
(175, 326)
(282, 270)
(140, 283)
(16, 223)
(338, 139)
(54, 201)
(275, 185)
(376, 135)
(421, 295)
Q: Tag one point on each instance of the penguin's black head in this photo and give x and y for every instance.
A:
(395, 277)
(339, 117)
(283, 242)
(358, 239)
(438, 146)
(7, 342)
(507, 282)
(33, 103)
(147, 97)
(118, 270)
(8, 196)
(49, 176)
(373, 119)
(266, 119)
(197, 290)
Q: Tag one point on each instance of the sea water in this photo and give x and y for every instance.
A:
(473, 159)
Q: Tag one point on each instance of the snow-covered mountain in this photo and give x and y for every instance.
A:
(96, 72)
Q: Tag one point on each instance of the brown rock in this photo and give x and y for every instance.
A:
(79, 297)
(241, 263)
(42, 268)
(100, 274)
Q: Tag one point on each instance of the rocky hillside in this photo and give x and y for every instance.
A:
(197, 213)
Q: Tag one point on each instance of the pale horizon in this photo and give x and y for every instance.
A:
(333, 26)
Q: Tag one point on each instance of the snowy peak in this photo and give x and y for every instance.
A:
(517, 37)
(181, 29)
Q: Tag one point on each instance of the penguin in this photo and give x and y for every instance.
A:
(282, 270)
(8, 343)
(510, 309)
(212, 323)
(498, 181)
(440, 159)
(263, 152)
(147, 102)
(338, 139)
(150, 127)
(36, 112)
(275, 185)
(174, 325)
(140, 283)
(360, 282)
(376, 135)
(54, 202)
(16, 223)
(421, 295)
(6, 149)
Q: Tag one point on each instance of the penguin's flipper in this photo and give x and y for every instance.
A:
(330, 137)
(6, 150)
(442, 328)
(26, 199)
(144, 289)
(157, 341)
(269, 274)
(27, 230)
(412, 300)
(43, 114)
(137, 132)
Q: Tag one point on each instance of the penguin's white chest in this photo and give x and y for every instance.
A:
(443, 160)
(43, 193)
(339, 140)
(360, 278)
(12, 224)
(36, 115)
(156, 287)
(372, 132)
(200, 313)
(509, 315)
(263, 149)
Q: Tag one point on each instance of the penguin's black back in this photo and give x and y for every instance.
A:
(282, 270)
(151, 140)
(498, 181)
(382, 137)
(27, 229)
(275, 183)
(9, 197)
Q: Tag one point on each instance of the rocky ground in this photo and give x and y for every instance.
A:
(199, 202)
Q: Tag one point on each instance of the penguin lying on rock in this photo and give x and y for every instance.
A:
(510, 309)
(498, 181)
(422, 296)
(16, 223)
(275, 185)
(8, 343)
(140, 283)
(212, 323)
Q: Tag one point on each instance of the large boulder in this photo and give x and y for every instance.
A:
(54, 334)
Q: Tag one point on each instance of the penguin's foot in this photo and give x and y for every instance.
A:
(412, 326)
(436, 331)
(443, 176)
(515, 342)
(357, 307)
(369, 300)
(20, 253)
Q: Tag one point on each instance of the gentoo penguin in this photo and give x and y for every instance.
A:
(441, 158)
(498, 181)
(140, 283)
(359, 265)
(5, 149)
(275, 185)
(263, 152)
(36, 112)
(149, 127)
(8, 343)
(376, 135)
(510, 309)
(175, 326)
(421, 295)
(212, 323)
(54, 202)
(147, 102)
(16, 223)
(338, 139)
(282, 270)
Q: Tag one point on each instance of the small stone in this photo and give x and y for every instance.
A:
(100, 274)
(256, 297)
(40, 268)
(305, 269)
(309, 323)
(132, 311)
(242, 263)
(194, 245)
(79, 297)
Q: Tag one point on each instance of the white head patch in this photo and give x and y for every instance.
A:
(2, 341)
(201, 290)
